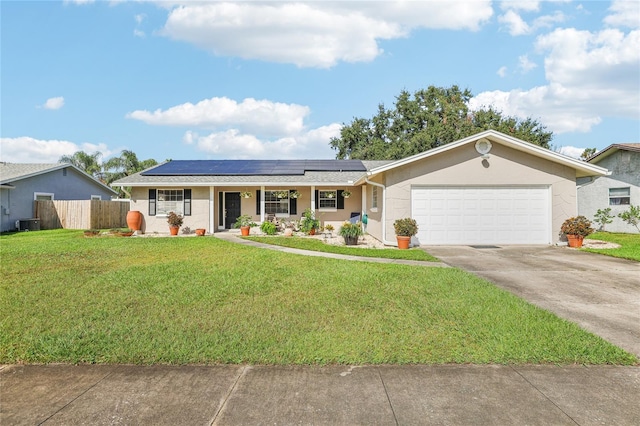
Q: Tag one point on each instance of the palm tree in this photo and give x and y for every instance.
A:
(88, 163)
(125, 165)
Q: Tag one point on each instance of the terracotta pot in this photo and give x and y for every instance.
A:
(288, 232)
(134, 220)
(575, 241)
(174, 230)
(244, 230)
(312, 231)
(200, 232)
(403, 242)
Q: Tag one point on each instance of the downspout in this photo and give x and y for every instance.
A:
(384, 213)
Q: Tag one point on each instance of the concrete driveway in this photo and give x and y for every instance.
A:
(600, 293)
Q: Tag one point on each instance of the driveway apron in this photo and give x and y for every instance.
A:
(599, 293)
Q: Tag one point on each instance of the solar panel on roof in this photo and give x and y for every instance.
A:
(252, 167)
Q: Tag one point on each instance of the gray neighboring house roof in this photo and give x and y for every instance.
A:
(13, 172)
(612, 149)
(313, 177)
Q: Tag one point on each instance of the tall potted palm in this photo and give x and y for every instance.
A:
(405, 229)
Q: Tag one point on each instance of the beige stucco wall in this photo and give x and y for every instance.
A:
(463, 166)
(201, 206)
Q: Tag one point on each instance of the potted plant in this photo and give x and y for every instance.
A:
(175, 222)
(309, 223)
(576, 228)
(329, 228)
(405, 229)
(295, 194)
(350, 232)
(346, 193)
(246, 194)
(244, 222)
(200, 232)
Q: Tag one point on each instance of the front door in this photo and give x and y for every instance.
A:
(231, 208)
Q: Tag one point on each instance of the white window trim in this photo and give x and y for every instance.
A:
(181, 213)
(374, 199)
(96, 197)
(335, 199)
(627, 195)
(46, 194)
(282, 215)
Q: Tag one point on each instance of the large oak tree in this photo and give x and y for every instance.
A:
(430, 118)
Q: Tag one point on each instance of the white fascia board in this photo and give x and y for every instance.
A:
(238, 184)
(585, 168)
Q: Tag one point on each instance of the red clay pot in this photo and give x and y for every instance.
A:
(575, 241)
(134, 220)
(174, 230)
(403, 242)
(244, 230)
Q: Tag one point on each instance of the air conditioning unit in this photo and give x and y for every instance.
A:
(29, 225)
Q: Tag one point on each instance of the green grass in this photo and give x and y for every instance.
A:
(67, 298)
(629, 245)
(317, 245)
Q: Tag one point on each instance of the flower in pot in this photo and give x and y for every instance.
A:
(246, 194)
(295, 194)
(350, 232)
(244, 222)
(346, 193)
(405, 229)
(175, 222)
(309, 223)
(576, 228)
(329, 228)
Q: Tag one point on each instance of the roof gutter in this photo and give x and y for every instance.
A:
(384, 213)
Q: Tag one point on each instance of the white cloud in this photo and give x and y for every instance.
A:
(590, 75)
(139, 33)
(528, 6)
(54, 103)
(29, 150)
(502, 72)
(79, 1)
(516, 25)
(625, 13)
(315, 34)
(233, 144)
(525, 65)
(250, 115)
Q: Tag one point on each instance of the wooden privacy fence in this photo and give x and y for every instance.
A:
(81, 214)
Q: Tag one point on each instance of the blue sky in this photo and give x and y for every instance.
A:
(207, 80)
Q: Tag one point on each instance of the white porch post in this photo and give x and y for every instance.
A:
(313, 198)
(262, 204)
(212, 210)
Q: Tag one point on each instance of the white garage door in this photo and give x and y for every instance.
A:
(482, 215)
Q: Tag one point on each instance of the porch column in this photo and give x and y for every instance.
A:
(262, 204)
(313, 198)
(212, 209)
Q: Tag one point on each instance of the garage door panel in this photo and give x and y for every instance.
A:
(482, 215)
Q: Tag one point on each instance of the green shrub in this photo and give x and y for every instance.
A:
(578, 225)
(269, 228)
(406, 227)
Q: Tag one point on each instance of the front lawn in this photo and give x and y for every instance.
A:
(67, 298)
(629, 245)
(317, 245)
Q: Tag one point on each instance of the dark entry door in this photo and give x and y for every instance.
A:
(232, 208)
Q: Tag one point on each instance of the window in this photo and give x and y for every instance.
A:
(374, 197)
(96, 197)
(170, 200)
(619, 196)
(327, 199)
(275, 202)
(42, 196)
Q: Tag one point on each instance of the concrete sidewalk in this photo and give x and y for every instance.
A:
(234, 237)
(331, 395)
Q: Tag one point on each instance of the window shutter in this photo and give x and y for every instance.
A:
(257, 201)
(317, 199)
(340, 199)
(220, 209)
(152, 202)
(293, 204)
(187, 202)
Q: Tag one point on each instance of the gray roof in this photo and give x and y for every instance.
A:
(635, 147)
(308, 178)
(13, 172)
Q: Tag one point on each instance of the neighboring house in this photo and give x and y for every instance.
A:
(616, 191)
(21, 184)
(489, 188)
